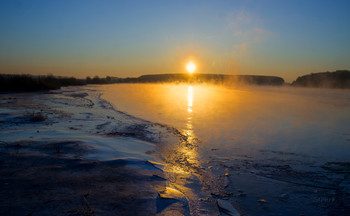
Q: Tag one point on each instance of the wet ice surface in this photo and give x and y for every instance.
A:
(277, 183)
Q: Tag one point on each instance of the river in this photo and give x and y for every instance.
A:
(315, 122)
(266, 150)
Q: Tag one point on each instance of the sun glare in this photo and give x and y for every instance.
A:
(190, 67)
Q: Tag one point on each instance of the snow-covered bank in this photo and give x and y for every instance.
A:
(69, 152)
(74, 114)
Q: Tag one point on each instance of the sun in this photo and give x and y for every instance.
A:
(190, 67)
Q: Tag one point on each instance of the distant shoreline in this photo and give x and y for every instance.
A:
(28, 83)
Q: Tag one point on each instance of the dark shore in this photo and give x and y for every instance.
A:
(39, 180)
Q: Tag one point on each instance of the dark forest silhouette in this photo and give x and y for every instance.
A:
(337, 79)
(35, 83)
(15, 83)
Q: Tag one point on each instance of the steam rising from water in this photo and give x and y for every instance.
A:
(309, 121)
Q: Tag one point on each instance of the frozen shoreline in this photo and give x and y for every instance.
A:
(72, 142)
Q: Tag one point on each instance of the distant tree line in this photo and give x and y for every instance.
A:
(10, 83)
(337, 79)
(222, 79)
(195, 78)
(26, 82)
(98, 80)
(35, 83)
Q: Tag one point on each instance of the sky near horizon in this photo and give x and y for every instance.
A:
(128, 38)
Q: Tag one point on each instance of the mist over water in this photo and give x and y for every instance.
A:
(314, 122)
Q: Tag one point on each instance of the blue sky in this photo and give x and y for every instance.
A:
(131, 38)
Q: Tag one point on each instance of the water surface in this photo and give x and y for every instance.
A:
(314, 122)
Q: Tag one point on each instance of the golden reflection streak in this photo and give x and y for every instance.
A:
(189, 98)
(182, 163)
(189, 149)
(186, 152)
(189, 128)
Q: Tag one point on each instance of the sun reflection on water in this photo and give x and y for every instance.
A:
(189, 99)
(182, 162)
(188, 148)
(184, 159)
(189, 126)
